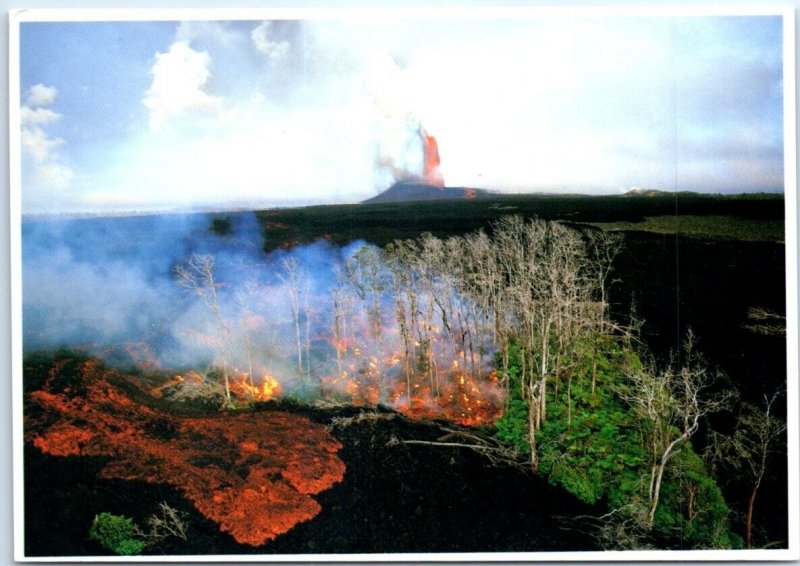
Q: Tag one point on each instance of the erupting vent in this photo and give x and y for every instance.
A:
(431, 173)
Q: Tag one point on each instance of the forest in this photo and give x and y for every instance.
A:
(512, 338)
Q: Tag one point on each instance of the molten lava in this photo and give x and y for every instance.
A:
(431, 173)
(253, 474)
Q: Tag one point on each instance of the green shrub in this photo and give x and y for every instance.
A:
(593, 445)
(693, 505)
(512, 427)
(116, 533)
(129, 547)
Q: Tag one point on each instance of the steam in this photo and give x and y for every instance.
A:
(196, 293)
(276, 112)
(108, 286)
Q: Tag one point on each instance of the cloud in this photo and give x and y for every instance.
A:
(43, 171)
(38, 145)
(37, 116)
(266, 45)
(327, 110)
(41, 95)
(53, 174)
(179, 77)
(209, 32)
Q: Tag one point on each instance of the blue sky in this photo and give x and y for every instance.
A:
(140, 115)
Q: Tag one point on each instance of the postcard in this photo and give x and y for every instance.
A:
(496, 284)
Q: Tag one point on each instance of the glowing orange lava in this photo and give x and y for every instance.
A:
(253, 473)
(431, 173)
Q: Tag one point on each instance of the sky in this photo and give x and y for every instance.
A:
(155, 115)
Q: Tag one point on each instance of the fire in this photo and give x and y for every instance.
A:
(455, 393)
(263, 389)
(191, 377)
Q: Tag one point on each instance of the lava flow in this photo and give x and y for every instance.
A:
(253, 474)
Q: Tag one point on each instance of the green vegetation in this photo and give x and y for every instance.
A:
(117, 533)
(711, 227)
(590, 443)
(121, 535)
(598, 446)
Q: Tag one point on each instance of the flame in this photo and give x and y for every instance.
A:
(264, 389)
(465, 391)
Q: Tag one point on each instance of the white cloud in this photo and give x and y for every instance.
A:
(41, 95)
(37, 116)
(272, 49)
(221, 33)
(179, 77)
(36, 142)
(44, 175)
(38, 145)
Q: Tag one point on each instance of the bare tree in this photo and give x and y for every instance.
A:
(403, 303)
(198, 276)
(339, 329)
(603, 248)
(244, 299)
(671, 403)
(366, 274)
(294, 277)
(747, 450)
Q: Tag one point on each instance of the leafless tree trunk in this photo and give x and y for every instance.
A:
(673, 402)
(338, 333)
(747, 450)
(292, 276)
(198, 276)
(367, 275)
(244, 299)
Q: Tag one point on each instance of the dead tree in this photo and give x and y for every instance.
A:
(672, 403)
(244, 298)
(366, 274)
(197, 275)
(603, 249)
(746, 451)
(400, 284)
(293, 277)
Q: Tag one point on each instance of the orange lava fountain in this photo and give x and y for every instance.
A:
(431, 173)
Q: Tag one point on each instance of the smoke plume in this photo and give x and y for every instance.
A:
(195, 294)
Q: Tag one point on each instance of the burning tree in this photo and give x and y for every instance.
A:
(417, 324)
(197, 275)
(297, 282)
